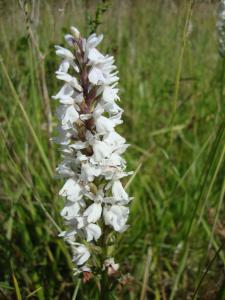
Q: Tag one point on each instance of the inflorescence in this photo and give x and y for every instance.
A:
(91, 149)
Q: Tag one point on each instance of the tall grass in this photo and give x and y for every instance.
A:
(174, 246)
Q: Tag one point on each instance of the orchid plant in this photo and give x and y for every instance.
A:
(92, 166)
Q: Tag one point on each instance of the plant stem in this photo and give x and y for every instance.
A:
(222, 81)
(104, 295)
(104, 286)
(179, 66)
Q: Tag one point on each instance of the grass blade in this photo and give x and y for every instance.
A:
(18, 294)
(40, 148)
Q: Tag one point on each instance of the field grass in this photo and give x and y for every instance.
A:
(172, 91)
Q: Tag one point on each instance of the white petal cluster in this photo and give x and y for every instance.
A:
(91, 149)
(221, 27)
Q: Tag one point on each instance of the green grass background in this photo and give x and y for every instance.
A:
(172, 91)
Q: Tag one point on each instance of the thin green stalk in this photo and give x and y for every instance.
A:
(35, 195)
(17, 288)
(206, 172)
(220, 202)
(206, 272)
(104, 284)
(180, 63)
(76, 289)
(180, 270)
(212, 183)
(222, 82)
(146, 274)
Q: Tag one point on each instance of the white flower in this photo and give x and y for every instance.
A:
(111, 266)
(95, 57)
(68, 95)
(64, 66)
(116, 160)
(115, 173)
(80, 254)
(92, 231)
(90, 147)
(114, 140)
(68, 115)
(102, 66)
(116, 216)
(73, 82)
(70, 211)
(90, 44)
(101, 150)
(71, 190)
(64, 53)
(112, 108)
(89, 172)
(65, 94)
(93, 41)
(64, 137)
(85, 269)
(64, 170)
(110, 94)
(79, 145)
(106, 125)
(68, 59)
(119, 193)
(93, 212)
(96, 76)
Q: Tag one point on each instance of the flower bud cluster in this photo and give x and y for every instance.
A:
(91, 149)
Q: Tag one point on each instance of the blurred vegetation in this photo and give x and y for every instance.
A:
(172, 91)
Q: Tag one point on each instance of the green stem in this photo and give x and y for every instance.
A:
(104, 284)
(179, 66)
(104, 294)
(222, 82)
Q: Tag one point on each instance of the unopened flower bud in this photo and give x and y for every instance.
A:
(87, 274)
(69, 39)
(75, 32)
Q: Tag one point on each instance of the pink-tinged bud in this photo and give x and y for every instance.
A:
(110, 266)
(87, 276)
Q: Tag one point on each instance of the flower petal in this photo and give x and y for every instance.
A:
(110, 94)
(71, 190)
(95, 56)
(101, 151)
(93, 212)
(70, 211)
(95, 76)
(73, 82)
(93, 231)
(64, 53)
(80, 255)
(119, 192)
